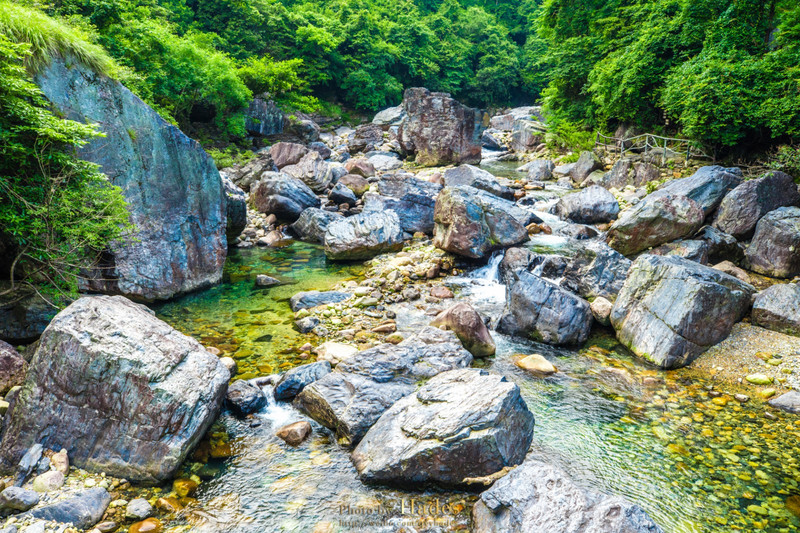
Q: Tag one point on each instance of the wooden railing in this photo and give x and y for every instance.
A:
(650, 146)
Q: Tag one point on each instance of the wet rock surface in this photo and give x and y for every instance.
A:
(283, 196)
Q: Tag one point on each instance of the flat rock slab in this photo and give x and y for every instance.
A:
(82, 510)
(460, 424)
(538, 497)
(311, 299)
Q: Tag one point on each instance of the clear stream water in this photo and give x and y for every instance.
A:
(695, 463)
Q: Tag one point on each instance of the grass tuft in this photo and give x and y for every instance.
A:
(49, 38)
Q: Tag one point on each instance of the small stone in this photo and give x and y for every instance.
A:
(537, 364)
(138, 509)
(741, 398)
(49, 481)
(184, 487)
(759, 379)
(108, 526)
(151, 525)
(89, 482)
(441, 292)
(262, 280)
(768, 393)
(60, 461)
(394, 338)
(389, 327)
(169, 504)
(296, 433)
(230, 364)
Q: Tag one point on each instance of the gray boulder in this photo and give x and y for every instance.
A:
(587, 163)
(12, 368)
(655, 221)
(744, 206)
(628, 172)
(83, 510)
(138, 509)
(461, 424)
(592, 205)
(363, 236)
(540, 170)
(469, 327)
(538, 497)
(778, 308)
(439, 130)
(304, 129)
(399, 185)
(284, 154)
(789, 402)
(263, 118)
(244, 398)
(415, 211)
(490, 142)
(671, 309)
(310, 299)
(389, 117)
(313, 223)
(295, 380)
(352, 397)
(284, 196)
(340, 194)
(477, 178)
(542, 311)
(367, 137)
(123, 392)
(236, 208)
(526, 134)
(692, 250)
(384, 162)
(312, 170)
(178, 244)
(721, 246)
(472, 223)
(16, 499)
(708, 186)
(597, 270)
(774, 248)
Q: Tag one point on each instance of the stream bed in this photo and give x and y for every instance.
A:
(697, 462)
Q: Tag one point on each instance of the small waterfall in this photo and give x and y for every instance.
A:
(491, 272)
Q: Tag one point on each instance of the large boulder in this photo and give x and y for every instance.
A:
(236, 208)
(537, 496)
(83, 510)
(671, 309)
(540, 170)
(284, 154)
(363, 236)
(628, 172)
(399, 185)
(263, 118)
(284, 196)
(440, 130)
(123, 392)
(175, 196)
(24, 314)
(708, 186)
(526, 134)
(366, 138)
(461, 424)
(478, 178)
(774, 248)
(472, 223)
(778, 308)
(415, 211)
(542, 311)
(313, 223)
(655, 221)
(469, 327)
(721, 246)
(352, 398)
(12, 368)
(597, 270)
(313, 171)
(744, 206)
(592, 205)
(587, 163)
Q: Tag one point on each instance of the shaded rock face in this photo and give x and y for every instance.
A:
(540, 170)
(472, 223)
(363, 236)
(23, 318)
(778, 308)
(174, 192)
(462, 423)
(313, 223)
(469, 327)
(415, 211)
(478, 178)
(721, 246)
(12, 368)
(655, 221)
(295, 380)
(263, 118)
(123, 392)
(592, 205)
(284, 154)
(283, 196)
(671, 309)
(350, 399)
(312, 170)
(440, 130)
(627, 172)
(367, 137)
(236, 205)
(537, 496)
(587, 163)
(83, 510)
(743, 207)
(774, 248)
(342, 195)
(542, 311)
(708, 186)
(597, 270)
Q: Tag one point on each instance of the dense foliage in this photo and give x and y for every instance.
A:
(57, 212)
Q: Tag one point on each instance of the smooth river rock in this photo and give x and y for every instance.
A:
(592, 205)
(478, 178)
(469, 327)
(363, 236)
(778, 308)
(244, 398)
(123, 392)
(83, 510)
(174, 192)
(295, 380)
(775, 245)
(313, 223)
(461, 424)
(283, 196)
(538, 497)
(671, 309)
(540, 310)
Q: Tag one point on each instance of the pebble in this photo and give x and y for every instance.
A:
(536, 364)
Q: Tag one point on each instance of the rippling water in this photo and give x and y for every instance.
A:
(695, 463)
